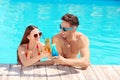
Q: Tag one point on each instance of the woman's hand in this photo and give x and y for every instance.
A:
(46, 54)
(29, 54)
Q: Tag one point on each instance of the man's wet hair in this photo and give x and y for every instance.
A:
(70, 18)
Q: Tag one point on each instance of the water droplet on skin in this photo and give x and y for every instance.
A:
(30, 51)
(68, 45)
(22, 52)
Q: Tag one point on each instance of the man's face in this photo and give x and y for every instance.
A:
(65, 24)
(66, 28)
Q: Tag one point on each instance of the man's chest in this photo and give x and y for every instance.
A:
(70, 49)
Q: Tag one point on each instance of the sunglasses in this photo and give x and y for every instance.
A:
(65, 29)
(36, 35)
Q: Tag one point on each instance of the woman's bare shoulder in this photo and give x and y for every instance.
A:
(21, 49)
(41, 44)
(23, 46)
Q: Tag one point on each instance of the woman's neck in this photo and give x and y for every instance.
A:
(31, 45)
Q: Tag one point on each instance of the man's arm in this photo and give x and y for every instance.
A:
(85, 52)
(83, 61)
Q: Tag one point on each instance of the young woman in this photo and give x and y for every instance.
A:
(31, 50)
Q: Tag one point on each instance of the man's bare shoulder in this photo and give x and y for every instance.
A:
(83, 38)
(81, 35)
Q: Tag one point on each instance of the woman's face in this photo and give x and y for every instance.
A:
(34, 35)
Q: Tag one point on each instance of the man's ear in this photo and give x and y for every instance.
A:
(74, 28)
(28, 37)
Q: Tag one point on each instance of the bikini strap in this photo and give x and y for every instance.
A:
(27, 46)
(26, 54)
(38, 49)
(37, 46)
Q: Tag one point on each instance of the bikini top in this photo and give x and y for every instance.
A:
(27, 47)
(26, 54)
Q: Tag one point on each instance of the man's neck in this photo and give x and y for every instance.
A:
(71, 37)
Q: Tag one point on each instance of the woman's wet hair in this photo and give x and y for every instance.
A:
(27, 32)
(73, 20)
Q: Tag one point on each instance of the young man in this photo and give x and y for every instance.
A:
(71, 43)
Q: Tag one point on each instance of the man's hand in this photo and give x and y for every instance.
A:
(59, 60)
(84, 63)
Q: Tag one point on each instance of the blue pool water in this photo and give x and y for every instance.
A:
(99, 20)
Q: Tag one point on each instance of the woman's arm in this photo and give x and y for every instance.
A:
(48, 62)
(29, 61)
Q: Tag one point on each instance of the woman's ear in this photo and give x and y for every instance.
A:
(28, 37)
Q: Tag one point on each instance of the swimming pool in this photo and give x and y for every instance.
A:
(99, 20)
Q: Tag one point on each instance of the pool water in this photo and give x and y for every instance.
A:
(100, 21)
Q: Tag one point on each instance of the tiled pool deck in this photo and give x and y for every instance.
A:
(52, 72)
